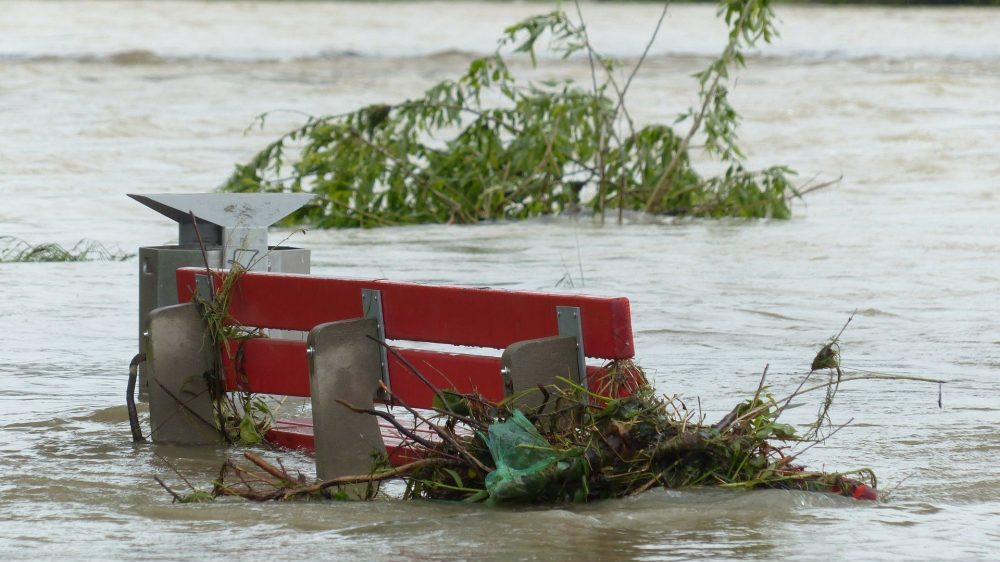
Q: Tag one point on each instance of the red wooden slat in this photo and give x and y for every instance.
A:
(273, 366)
(442, 314)
(290, 435)
(267, 366)
(464, 373)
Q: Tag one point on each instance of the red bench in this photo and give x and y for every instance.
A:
(543, 335)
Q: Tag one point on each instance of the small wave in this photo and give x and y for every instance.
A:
(769, 314)
(333, 55)
(110, 415)
(141, 57)
(873, 312)
(145, 57)
(38, 424)
(706, 504)
(676, 331)
(134, 57)
(446, 54)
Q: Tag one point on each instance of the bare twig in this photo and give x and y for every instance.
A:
(201, 245)
(638, 65)
(387, 474)
(445, 434)
(183, 405)
(391, 419)
(177, 497)
(841, 332)
(819, 440)
(709, 95)
(760, 386)
(420, 376)
(175, 471)
(598, 120)
(754, 412)
(810, 188)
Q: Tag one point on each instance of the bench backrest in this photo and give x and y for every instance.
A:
(460, 316)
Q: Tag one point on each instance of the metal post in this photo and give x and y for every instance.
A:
(371, 304)
(570, 324)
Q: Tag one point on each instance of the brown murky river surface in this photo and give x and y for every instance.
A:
(101, 99)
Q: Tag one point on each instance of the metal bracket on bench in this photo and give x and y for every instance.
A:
(203, 287)
(570, 324)
(371, 304)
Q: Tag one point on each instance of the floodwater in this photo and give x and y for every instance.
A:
(102, 99)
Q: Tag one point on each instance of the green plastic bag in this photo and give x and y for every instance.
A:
(524, 459)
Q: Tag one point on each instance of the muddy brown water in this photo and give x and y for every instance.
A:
(102, 99)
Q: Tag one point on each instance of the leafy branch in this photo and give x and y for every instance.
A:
(489, 145)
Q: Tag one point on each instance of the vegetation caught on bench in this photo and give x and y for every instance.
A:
(243, 417)
(582, 445)
(492, 145)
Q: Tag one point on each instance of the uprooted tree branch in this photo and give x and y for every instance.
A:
(492, 145)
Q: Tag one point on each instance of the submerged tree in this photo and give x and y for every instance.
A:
(489, 145)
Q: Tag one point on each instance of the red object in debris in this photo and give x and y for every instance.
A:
(864, 492)
(856, 490)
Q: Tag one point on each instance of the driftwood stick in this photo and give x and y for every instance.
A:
(177, 472)
(437, 391)
(406, 363)
(391, 419)
(219, 484)
(387, 474)
(177, 497)
(445, 434)
(760, 386)
(257, 476)
(267, 467)
(648, 484)
(293, 489)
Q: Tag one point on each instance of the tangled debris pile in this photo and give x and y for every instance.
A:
(591, 446)
(580, 445)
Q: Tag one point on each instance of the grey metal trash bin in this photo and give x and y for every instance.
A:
(233, 229)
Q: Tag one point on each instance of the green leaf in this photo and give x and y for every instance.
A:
(198, 496)
(248, 431)
(455, 476)
(783, 431)
(446, 401)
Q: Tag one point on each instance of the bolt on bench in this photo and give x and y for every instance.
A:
(543, 336)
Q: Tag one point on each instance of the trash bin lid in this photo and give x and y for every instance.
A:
(229, 210)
